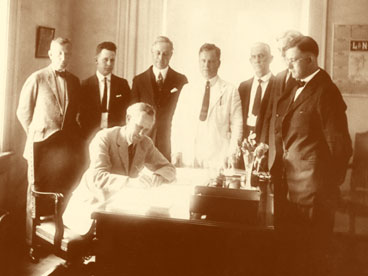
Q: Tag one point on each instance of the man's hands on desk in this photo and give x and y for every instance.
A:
(145, 181)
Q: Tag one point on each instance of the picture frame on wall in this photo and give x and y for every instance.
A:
(43, 39)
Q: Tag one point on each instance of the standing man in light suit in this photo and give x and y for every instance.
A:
(105, 96)
(160, 87)
(47, 110)
(207, 124)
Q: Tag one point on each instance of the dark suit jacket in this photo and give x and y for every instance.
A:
(279, 88)
(90, 114)
(244, 92)
(315, 140)
(145, 90)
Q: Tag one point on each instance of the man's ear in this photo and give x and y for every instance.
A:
(127, 118)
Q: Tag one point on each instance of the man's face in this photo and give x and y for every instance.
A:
(161, 55)
(281, 45)
(298, 63)
(208, 64)
(260, 60)
(60, 55)
(105, 61)
(138, 125)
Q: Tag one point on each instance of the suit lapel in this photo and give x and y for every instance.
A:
(149, 83)
(307, 92)
(216, 95)
(247, 90)
(96, 91)
(264, 104)
(52, 84)
(123, 149)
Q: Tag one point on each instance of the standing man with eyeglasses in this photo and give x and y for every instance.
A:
(47, 110)
(255, 92)
(160, 87)
(313, 148)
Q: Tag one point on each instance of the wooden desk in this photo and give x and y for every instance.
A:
(130, 244)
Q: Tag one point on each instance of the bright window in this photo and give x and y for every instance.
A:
(4, 28)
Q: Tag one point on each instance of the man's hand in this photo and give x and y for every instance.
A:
(157, 180)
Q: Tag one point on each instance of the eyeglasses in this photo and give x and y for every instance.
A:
(294, 61)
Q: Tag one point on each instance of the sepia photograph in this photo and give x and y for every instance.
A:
(183, 137)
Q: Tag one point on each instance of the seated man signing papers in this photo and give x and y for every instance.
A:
(117, 157)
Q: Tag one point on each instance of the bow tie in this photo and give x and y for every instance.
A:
(300, 83)
(61, 74)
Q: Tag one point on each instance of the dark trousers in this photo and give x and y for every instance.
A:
(55, 167)
(304, 231)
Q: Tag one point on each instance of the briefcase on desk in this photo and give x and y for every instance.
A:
(228, 205)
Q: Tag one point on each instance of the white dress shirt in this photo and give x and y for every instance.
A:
(157, 71)
(101, 85)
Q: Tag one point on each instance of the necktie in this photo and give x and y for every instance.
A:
(104, 97)
(298, 85)
(205, 102)
(160, 81)
(257, 99)
(61, 74)
(131, 151)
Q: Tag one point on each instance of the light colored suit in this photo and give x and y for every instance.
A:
(210, 141)
(109, 172)
(40, 111)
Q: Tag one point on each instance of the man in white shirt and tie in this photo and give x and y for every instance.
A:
(255, 92)
(105, 96)
(207, 124)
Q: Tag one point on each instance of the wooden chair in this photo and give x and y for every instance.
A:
(359, 181)
(50, 235)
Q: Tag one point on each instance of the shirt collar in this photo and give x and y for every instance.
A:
(53, 69)
(212, 81)
(307, 79)
(157, 71)
(101, 77)
(264, 78)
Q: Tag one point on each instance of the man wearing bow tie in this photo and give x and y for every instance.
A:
(160, 87)
(105, 97)
(47, 111)
(312, 148)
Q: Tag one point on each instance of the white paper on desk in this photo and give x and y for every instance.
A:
(168, 199)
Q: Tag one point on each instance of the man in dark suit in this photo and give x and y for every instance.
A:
(283, 84)
(47, 111)
(105, 97)
(160, 87)
(312, 148)
(255, 92)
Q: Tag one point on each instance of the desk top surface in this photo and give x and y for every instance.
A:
(169, 202)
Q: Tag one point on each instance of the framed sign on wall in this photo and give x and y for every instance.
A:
(350, 59)
(43, 39)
